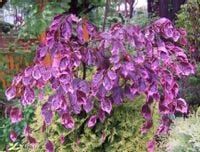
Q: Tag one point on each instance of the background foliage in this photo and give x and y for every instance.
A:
(189, 18)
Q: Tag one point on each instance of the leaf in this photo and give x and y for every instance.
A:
(85, 31)
(47, 61)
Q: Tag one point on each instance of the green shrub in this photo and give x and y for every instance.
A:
(120, 132)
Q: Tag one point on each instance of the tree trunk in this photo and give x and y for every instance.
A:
(2, 2)
(163, 8)
(106, 13)
(131, 8)
(74, 7)
(150, 7)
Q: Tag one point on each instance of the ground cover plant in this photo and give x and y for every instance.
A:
(183, 135)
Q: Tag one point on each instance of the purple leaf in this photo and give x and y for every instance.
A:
(146, 126)
(181, 106)
(11, 93)
(27, 130)
(164, 55)
(164, 126)
(88, 106)
(65, 78)
(66, 30)
(64, 63)
(176, 35)
(92, 121)
(36, 72)
(101, 115)
(75, 106)
(97, 78)
(117, 95)
(28, 97)
(62, 139)
(101, 92)
(139, 59)
(185, 68)
(67, 121)
(81, 97)
(146, 112)
(106, 106)
(13, 136)
(56, 102)
(163, 109)
(155, 64)
(151, 146)
(27, 80)
(107, 83)
(49, 146)
(47, 113)
(142, 85)
(84, 87)
(41, 51)
(15, 115)
(128, 93)
(32, 141)
(46, 74)
(28, 71)
(112, 75)
(152, 89)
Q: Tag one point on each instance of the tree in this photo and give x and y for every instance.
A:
(125, 61)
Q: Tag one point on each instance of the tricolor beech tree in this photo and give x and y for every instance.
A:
(127, 61)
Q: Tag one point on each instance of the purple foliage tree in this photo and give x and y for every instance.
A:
(128, 61)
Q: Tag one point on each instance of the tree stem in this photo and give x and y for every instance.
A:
(106, 14)
(84, 71)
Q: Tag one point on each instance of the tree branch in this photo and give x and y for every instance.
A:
(84, 70)
(106, 13)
